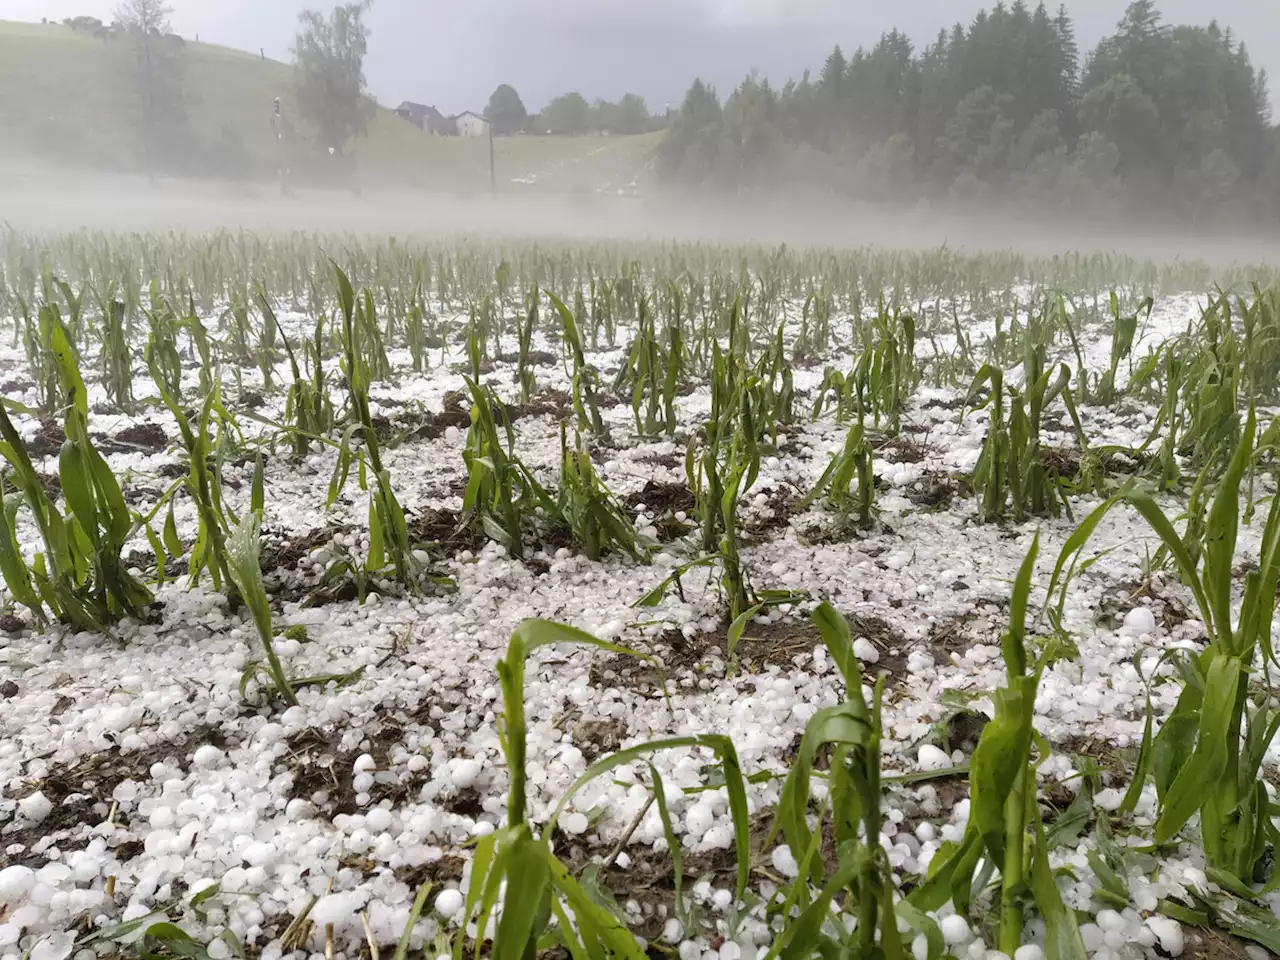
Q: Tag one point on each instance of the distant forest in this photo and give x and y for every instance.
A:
(1005, 111)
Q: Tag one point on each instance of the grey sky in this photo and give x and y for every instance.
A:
(453, 52)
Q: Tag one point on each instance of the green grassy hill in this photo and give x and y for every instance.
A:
(65, 98)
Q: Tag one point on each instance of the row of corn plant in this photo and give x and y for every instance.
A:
(79, 576)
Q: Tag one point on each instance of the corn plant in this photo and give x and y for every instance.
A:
(308, 408)
(388, 531)
(814, 337)
(79, 576)
(415, 324)
(862, 874)
(852, 462)
(237, 330)
(524, 335)
(1123, 331)
(1004, 820)
(114, 355)
(244, 548)
(544, 904)
(1011, 468)
(833, 386)
(502, 494)
(586, 379)
(739, 474)
(890, 367)
(162, 347)
(586, 506)
(40, 358)
(1208, 755)
(641, 373)
(202, 482)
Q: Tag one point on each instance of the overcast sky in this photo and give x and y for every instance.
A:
(452, 53)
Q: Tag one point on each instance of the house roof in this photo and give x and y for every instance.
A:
(419, 108)
(468, 113)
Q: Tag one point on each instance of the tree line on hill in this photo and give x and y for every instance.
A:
(1004, 111)
(570, 114)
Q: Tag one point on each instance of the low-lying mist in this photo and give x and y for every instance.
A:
(56, 202)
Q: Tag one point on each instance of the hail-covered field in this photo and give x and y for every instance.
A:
(160, 794)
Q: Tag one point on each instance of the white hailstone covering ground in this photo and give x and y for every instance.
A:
(134, 775)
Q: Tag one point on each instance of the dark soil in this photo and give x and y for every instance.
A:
(555, 404)
(285, 552)
(1122, 597)
(904, 449)
(436, 872)
(650, 878)
(48, 439)
(319, 766)
(937, 491)
(776, 514)
(596, 738)
(441, 531)
(81, 796)
(785, 644)
(664, 501)
(144, 436)
(948, 636)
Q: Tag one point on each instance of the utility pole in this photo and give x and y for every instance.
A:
(278, 122)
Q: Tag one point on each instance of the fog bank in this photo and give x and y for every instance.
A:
(52, 201)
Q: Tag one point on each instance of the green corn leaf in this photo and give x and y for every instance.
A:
(737, 628)
(1073, 820)
(16, 575)
(1002, 752)
(157, 548)
(1220, 537)
(1112, 888)
(482, 861)
(74, 395)
(170, 534)
(526, 901)
(1062, 933)
(377, 555)
(839, 641)
(609, 936)
(257, 501)
(844, 724)
(921, 922)
(803, 936)
(1209, 761)
(73, 472)
(734, 784)
(1014, 646)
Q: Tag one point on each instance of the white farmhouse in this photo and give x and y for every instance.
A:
(472, 124)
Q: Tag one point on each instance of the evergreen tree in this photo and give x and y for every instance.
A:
(1003, 106)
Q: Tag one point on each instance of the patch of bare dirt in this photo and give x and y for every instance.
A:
(555, 404)
(784, 645)
(775, 514)
(323, 772)
(285, 552)
(47, 440)
(904, 448)
(937, 491)
(81, 794)
(663, 501)
(144, 436)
